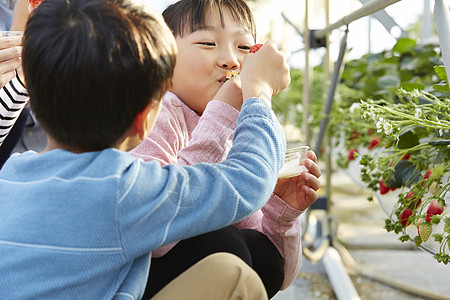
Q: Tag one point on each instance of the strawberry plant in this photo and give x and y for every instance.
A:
(415, 159)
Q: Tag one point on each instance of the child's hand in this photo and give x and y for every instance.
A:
(301, 191)
(265, 73)
(231, 92)
(10, 57)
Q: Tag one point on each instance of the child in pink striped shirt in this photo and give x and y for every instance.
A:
(196, 124)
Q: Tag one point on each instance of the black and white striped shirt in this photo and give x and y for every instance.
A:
(13, 98)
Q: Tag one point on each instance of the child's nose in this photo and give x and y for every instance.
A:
(229, 61)
(231, 65)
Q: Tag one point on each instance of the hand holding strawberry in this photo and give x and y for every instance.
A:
(255, 48)
(35, 3)
(265, 73)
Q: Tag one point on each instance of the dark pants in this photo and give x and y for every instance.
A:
(250, 245)
(13, 137)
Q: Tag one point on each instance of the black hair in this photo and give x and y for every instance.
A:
(187, 16)
(92, 65)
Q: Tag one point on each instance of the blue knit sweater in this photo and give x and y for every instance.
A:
(82, 226)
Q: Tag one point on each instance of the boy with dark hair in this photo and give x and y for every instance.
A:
(80, 219)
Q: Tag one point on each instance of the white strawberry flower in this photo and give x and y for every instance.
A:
(354, 107)
(418, 113)
(388, 128)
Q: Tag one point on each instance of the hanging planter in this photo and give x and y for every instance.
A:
(410, 176)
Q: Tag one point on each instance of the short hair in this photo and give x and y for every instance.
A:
(92, 65)
(187, 16)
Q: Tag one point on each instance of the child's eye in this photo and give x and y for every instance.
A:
(207, 44)
(247, 48)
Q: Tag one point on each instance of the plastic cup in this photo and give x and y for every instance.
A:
(10, 33)
(292, 159)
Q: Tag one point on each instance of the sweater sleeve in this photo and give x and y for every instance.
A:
(13, 98)
(169, 141)
(178, 203)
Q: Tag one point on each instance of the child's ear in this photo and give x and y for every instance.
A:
(146, 118)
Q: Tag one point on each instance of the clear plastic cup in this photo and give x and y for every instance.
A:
(292, 159)
(10, 33)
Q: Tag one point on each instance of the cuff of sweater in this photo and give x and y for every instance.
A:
(281, 211)
(227, 113)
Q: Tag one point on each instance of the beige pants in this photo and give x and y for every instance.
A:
(219, 276)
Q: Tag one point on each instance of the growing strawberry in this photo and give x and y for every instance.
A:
(414, 201)
(352, 154)
(384, 188)
(426, 176)
(375, 142)
(424, 230)
(404, 217)
(434, 187)
(435, 208)
(255, 48)
(355, 134)
(406, 157)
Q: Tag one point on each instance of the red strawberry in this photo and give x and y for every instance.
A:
(435, 208)
(351, 154)
(414, 201)
(376, 141)
(35, 3)
(406, 157)
(426, 176)
(383, 188)
(255, 48)
(404, 217)
(354, 135)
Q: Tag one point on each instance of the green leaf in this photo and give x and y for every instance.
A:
(440, 71)
(410, 86)
(404, 45)
(409, 63)
(407, 140)
(406, 173)
(441, 87)
(417, 241)
(388, 81)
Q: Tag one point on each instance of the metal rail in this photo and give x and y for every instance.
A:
(442, 20)
(367, 9)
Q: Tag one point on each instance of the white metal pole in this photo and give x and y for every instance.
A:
(427, 29)
(306, 77)
(339, 278)
(442, 20)
(367, 9)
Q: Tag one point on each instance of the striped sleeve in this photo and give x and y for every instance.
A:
(13, 98)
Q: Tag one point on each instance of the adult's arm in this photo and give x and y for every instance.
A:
(20, 15)
(13, 98)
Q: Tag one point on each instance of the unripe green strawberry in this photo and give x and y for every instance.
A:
(434, 187)
(425, 230)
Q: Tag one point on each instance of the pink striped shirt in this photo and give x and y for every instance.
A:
(182, 137)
